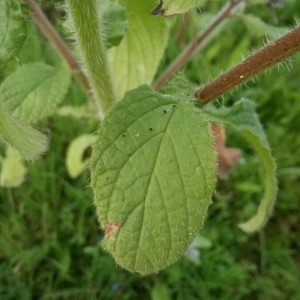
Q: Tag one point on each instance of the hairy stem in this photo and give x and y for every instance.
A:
(88, 28)
(50, 33)
(269, 55)
(197, 44)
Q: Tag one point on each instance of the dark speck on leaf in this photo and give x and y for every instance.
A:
(107, 178)
(165, 111)
(150, 129)
(174, 106)
(123, 135)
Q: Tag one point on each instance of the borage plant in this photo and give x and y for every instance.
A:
(159, 148)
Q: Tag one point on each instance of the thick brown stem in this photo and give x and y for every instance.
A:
(196, 44)
(254, 64)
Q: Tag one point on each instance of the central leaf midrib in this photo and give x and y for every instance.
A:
(150, 181)
(119, 135)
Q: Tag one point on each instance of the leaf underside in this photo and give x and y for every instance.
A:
(153, 175)
(30, 142)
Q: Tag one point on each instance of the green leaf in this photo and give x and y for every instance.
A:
(173, 7)
(243, 118)
(75, 161)
(135, 60)
(33, 92)
(115, 19)
(259, 28)
(179, 85)
(30, 142)
(13, 29)
(153, 175)
(13, 170)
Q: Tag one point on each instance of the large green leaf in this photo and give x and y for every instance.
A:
(153, 175)
(243, 118)
(30, 142)
(136, 58)
(173, 7)
(13, 29)
(33, 92)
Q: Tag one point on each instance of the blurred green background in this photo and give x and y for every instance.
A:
(49, 235)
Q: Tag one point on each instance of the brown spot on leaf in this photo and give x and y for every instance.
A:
(111, 230)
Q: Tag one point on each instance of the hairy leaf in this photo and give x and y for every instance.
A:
(243, 118)
(13, 170)
(173, 7)
(136, 59)
(76, 163)
(13, 29)
(33, 92)
(153, 175)
(31, 143)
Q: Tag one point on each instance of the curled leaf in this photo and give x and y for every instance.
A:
(76, 163)
(243, 118)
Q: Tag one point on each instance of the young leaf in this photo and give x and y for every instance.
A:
(153, 174)
(13, 170)
(173, 7)
(243, 118)
(33, 92)
(13, 29)
(136, 59)
(75, 162)
(30, 142)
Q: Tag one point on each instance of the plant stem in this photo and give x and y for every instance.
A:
(197, 44)
(269, 55)
(88, 28)
(51, 34)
